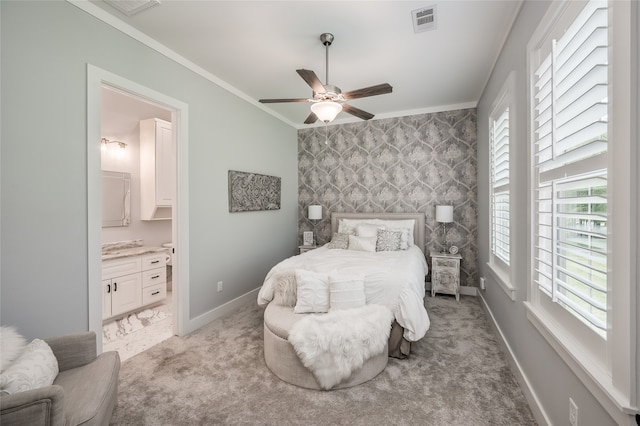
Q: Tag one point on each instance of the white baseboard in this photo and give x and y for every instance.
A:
(468, 291)
(536, 408)
(221, 311)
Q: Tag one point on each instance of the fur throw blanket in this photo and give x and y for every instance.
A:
(334, 345)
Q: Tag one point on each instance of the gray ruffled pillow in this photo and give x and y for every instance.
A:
(339, 241)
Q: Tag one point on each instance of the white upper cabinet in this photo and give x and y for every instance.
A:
(157, 169)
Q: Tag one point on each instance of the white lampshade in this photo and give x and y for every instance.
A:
(444, 214)
(326, 110)
(315, 212)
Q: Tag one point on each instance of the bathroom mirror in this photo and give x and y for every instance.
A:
(116, 198)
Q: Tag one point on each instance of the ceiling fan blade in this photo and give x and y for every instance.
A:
(311, 118)
(312, 80)
(357, 112)
(380, 89)
(273, 101)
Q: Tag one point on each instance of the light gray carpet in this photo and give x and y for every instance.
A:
(456, 375)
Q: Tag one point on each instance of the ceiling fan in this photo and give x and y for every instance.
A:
(327, 100)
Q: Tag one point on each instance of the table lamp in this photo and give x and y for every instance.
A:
(315, 214)
(444, 215)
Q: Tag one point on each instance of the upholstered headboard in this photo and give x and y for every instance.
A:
(418, 229)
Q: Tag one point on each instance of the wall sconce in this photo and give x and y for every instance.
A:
(104, 143)
(315, 214)
(444, 215)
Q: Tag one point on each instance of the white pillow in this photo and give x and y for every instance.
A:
(37, 367)
(362, 243)
(348, 226)
(346, 291)
(404, 237)
(12, 345)
(368, 230)
(285, 288)
(313, 292)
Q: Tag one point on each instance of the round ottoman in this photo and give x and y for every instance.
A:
(282, 360)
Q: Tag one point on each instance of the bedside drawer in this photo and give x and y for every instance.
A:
(154, 293)
(446, 263)
(154, 276)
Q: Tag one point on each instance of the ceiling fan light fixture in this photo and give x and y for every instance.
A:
(328, 100)
(326, 110)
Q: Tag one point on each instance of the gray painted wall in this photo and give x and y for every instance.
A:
(549, 376)
(45, 50)
(406, 164)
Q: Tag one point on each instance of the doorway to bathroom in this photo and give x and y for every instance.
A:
(148, 236)
(136, 141)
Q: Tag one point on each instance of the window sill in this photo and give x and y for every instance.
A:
(588, 371)
(503, 281)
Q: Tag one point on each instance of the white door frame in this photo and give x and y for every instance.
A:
(96, 79)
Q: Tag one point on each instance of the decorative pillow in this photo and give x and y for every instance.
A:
(313, 292)
(346, 291)
(408, 224)
(285, 289)
(362, 243)
(388, 240)
(37, 367)
(12, 345)
(339, 241)
(368, 230)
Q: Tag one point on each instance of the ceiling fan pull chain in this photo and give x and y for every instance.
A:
(326, 134)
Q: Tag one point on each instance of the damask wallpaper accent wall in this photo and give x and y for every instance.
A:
(406, 164)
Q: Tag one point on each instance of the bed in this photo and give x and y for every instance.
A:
(391, 278)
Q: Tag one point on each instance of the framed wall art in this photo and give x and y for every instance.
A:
(307, 238)
(253, 191)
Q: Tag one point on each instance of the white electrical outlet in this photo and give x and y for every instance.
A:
(482, 284)
(219, 286)
(573, 413)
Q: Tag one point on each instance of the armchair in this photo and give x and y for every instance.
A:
(84, 392)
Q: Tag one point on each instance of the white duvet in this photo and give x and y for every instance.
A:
(392, 278)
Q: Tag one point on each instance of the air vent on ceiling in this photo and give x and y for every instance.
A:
(424, 19)
(131, 7)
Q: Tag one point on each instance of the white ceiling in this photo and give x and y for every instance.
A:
(256, 46)
(121, 115)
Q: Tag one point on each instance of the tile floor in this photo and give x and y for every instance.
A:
(139, 331)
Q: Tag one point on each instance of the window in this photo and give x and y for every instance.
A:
(570, 169)
(499, 141)
(500, 130)
(582, 268)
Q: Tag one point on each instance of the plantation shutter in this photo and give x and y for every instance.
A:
(570, 168)
(500, 186)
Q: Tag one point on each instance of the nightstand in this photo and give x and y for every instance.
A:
(445, 273)
(304, 249)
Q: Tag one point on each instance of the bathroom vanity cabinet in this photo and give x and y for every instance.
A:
(132, 282)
